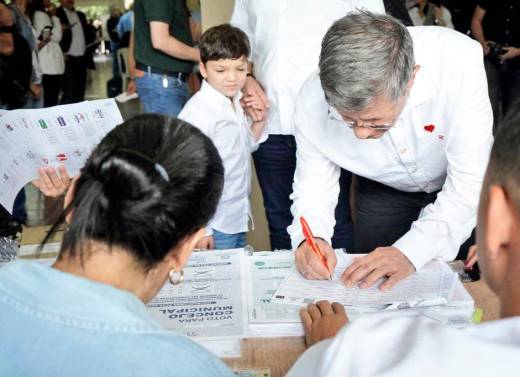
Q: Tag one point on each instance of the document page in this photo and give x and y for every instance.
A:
(266, 271)
(432, 283)
(60, 135)
(210, 303)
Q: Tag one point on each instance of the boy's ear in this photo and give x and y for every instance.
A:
(202, 69)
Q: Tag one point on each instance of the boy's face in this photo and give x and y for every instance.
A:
(228, 76)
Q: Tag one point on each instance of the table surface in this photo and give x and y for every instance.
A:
(279, 354)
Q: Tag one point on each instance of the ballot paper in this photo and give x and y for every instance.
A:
(266, 271)
(60, 135)
(211, 301)
(430, 286)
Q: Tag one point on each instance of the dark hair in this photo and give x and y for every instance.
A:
(223, 42)
(33, 6)
(504, 163)
(150, 183)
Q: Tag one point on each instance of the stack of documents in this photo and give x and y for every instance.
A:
(228, 295)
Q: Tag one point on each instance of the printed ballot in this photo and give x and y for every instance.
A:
(430, 286)
(60, 135)
(210, 303)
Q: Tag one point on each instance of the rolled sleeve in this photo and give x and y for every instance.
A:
(445, 224)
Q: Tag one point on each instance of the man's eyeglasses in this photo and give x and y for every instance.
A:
(334, 114)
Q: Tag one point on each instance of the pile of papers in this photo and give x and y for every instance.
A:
(60, 135)
(228, 295)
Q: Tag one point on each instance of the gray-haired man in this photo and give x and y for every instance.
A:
(407, 111)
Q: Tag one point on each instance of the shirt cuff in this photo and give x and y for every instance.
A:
(415, 248)
(297, 236)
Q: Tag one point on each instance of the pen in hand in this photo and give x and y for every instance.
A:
(309, 238)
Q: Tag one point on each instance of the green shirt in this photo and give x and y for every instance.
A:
(174, 13)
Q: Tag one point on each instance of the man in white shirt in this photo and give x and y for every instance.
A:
(407, 111)
(285, 36)
(411, 346)
(75, 43)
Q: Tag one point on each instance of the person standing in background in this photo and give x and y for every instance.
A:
(496, 25)
(48, 31)
(285, 38)
(164, 54)
(75, 44)
(111, 26)
(425, 13)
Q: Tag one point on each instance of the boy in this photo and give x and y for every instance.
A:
(216, 110)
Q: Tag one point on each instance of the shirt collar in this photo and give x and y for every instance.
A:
(218, 97)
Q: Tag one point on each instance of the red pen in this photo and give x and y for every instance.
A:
(312, 243)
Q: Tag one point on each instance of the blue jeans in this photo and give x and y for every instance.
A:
(228, 241)
(275, 163)
(158, 99)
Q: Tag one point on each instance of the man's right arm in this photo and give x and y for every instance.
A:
(164, 42)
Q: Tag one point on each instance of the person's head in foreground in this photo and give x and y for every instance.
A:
(224, 53)
(407, 343)
(367, 69)
(134, 214)
(141, 201)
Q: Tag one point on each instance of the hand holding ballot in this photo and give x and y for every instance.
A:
(50, 183)
(386, 262)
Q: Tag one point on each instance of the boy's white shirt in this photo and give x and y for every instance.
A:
(225, 123)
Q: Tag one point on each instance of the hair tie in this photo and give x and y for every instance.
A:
(162, 172)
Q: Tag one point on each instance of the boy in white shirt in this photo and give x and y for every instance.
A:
(216, 110)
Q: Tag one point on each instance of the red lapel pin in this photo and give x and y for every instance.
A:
(429, 128)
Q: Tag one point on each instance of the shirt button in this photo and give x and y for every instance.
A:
(404, 150)
(507, 31)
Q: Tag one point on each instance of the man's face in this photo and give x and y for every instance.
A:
(374, 121)
(228, 76)
(69, 4)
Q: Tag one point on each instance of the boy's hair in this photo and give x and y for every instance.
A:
(504, 164)
(223, 42)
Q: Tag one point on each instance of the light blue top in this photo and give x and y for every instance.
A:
(56, 324)
(126, 23)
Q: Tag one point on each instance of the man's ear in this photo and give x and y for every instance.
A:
(499, 223)
(69, 197)
(202, 69)
(412, 79)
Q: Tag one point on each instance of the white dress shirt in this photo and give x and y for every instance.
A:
(226, 124)
(415, 346)
(50, 56)
(285, 38)
(77, 46)
(449, 98)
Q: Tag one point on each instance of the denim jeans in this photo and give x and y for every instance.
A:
(162, 94)
(229, 241)
(275, 163)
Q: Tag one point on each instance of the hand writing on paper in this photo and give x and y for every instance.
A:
(50, 183)
(206, 243)
(387, 262)
(322, 321)
(309, 264)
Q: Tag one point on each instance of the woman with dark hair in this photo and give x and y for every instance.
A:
(48, 31)
(134, 215)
